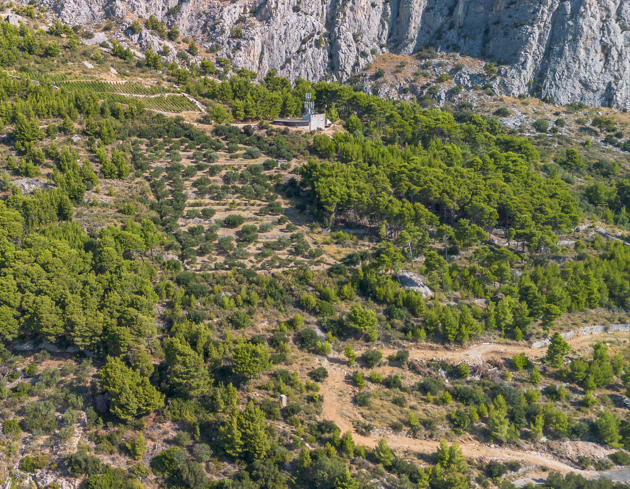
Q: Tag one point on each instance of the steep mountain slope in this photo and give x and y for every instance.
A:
(194, 304)
(572, 51)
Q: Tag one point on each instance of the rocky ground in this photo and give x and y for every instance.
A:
(559, 51)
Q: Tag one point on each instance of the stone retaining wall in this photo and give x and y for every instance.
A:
(588, 330)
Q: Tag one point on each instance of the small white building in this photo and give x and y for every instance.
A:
(309, 119)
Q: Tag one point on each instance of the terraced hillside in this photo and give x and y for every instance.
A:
(193, 297)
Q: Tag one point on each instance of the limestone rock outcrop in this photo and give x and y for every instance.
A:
(571, 51)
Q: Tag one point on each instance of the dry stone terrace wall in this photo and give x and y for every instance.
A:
(588, 330)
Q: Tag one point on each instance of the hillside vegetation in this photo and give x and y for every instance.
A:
(191, 297)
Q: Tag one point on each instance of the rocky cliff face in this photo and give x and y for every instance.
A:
(573, 51)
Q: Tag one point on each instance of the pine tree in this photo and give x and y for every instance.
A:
(149, 398)
(231, 439)
(251, 424)
(413, 421)
(108, 169)
(137, 447)
(332, 114)
(88, 173)
(304, 460)
(347, 444)
(550, 312)
(490, 317)
(119, 160)
(192, 48)
(187, 374)
(455, 458)
(39, 157)
(446, 397)
(447, 479)
(350, 355)
(442, 455)
(608, 428)
(250, 359)
(238, 110)
(106, 132)
(91, 128)
(68, 126)
(589, 399)
(483, 410)
(499, 426)
(500, 404)
(537, 426)
(592, 290)
(130, 394)
(346, 481)
(503, 314)
(578, 293)
(336, 438)
(173, 34)
(27, 168)
(522, 319)
(361, 318)
(26, 128)
(558, 348)
(11, 164)
(534, 376)
(467, 325)
(230, 396)
(250, 107)
(383, 453)
(359, 380)
(449, 325)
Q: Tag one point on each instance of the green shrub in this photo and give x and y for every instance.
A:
(308, 338)
(240, 320)
(182, 439)
(620, 458)
(34, 463)
(31, 370)
(463, 371)
(496, 470)
(372, 357)
(202, 452)
(376, 377)
(520, 361)
(253, 153)
(208, 212)
(40, 417)
(363, 399)
(400, 401)
(503, 112)
(400, 356)
(82, 463)
(11, 428)
(234, 220)
(393, 382)
(430, 386)
(319, 374)
(541, 125)
(270, 164)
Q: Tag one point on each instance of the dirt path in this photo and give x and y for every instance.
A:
(339, 408)
(483, 351)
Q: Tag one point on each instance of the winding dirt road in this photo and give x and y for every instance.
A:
(338, 405)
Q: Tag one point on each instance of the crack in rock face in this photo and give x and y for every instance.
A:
(572, 51)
